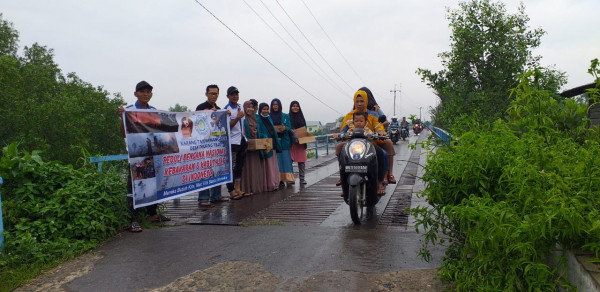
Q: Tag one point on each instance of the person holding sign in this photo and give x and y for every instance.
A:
(298, 151)
(143, 93)
(253, 174)
(267, 130)
(283, 128)
(237, 141)
(205, 197)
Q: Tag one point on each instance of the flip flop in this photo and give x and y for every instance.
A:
(135, 227)
(391, 179)
(247, 194)
(237, 196)
(205, 204)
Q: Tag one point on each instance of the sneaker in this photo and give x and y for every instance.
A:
(302, 181)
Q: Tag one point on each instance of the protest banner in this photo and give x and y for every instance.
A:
(174, 154)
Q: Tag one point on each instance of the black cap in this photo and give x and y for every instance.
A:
(232, 89)
(143, 84)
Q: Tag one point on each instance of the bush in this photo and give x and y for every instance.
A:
(53, 211)
(506, 194)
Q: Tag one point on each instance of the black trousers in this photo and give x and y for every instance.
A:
(134, 213)
(238, 159)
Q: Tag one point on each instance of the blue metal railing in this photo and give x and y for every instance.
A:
(1, 223)
(326, 142)
(100, 159)
(440, 133)
(324, 138)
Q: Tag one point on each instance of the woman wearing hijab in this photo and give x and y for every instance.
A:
(298, 151)
(284, 158)
(266, 129)
(253, 174)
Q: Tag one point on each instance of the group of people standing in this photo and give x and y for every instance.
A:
(259, 170)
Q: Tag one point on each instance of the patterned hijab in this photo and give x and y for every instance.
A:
(251, 121)
(276, 115)
(297, 119)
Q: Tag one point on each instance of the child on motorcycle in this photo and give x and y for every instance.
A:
(359, 121)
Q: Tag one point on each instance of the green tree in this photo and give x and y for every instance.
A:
(179, 108)
(44, 110)
(490, 49)
(9, 37)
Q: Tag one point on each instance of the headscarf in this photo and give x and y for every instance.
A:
(364, 96)
(372, 103)
(297, 119)
(255, 104)
(267, 122)
(252, 124)
(276, 115)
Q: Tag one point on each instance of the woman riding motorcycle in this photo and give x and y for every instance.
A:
(360, 105)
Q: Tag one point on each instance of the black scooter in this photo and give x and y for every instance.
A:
(358, 172)
(404, 132)
(394, 135)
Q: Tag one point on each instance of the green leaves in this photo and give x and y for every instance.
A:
(52, 211)
(506, 194)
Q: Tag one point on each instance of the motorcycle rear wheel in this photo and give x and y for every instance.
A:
(355, 202)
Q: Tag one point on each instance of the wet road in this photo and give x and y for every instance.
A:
(318, 249)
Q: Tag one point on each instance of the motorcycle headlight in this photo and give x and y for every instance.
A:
(356, 150)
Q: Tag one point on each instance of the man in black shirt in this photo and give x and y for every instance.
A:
(205, 197)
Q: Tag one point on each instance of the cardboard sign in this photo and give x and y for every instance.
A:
(304, 136)
(260, 144)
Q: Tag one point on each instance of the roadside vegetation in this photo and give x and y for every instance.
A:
(55, 205)
(521, 177)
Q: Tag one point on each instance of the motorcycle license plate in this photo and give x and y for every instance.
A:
(356, 168)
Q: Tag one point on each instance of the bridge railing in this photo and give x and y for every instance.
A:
(440, 133)
(322, 143)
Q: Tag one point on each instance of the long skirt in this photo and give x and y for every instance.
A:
(298, 152)
(253, 175)
(271, 172)
(286, 169)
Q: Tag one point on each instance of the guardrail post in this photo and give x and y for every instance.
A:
(1, 223)
(316, 147)
(327, 144)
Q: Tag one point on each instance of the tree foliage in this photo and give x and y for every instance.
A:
(43, 109)
(503, 197)
(490, 49)
(179, 108)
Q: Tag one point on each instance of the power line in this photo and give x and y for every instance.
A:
(311, 44)
(293, 50)
(264, 58)
(336, 48)
(300, 46)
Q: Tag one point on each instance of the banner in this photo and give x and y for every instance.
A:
(175, 154)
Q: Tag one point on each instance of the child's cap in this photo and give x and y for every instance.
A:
(141, 85)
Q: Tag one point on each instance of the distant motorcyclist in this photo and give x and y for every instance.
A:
(395, 122)
(404, 123)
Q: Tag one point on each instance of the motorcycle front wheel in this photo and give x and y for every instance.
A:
(355, 202)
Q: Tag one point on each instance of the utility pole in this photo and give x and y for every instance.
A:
(394, 91)
(420, 112)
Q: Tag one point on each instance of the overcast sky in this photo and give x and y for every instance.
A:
(179, 48)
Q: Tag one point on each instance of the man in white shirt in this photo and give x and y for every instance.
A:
(238, 142)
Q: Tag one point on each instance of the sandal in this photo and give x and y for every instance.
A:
(135, 227)
(338, 183)
(205, 204)
(159, 218)
(244, 194)
(391, 179)
(236, 196)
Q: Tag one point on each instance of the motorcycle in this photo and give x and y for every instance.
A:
(393, 133)
(404, 132)
(358, 172)
(417, 129)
